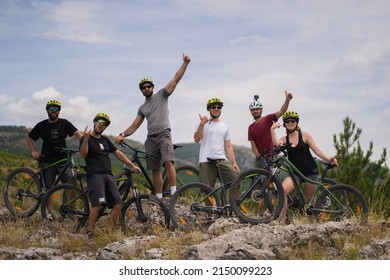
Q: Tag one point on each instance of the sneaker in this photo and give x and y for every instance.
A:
(90, 234)
(50, 217)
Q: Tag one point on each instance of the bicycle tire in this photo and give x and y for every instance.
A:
(329, 182)
(184, 174)
(187, 204)
(22, 192)
(350, 204)
(156, 215)
(70, 206)
(254, 202)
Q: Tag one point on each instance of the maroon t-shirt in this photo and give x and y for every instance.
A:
(259, 132)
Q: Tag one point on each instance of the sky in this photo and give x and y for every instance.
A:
(332, 55)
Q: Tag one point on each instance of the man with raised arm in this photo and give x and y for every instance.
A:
(158, 143)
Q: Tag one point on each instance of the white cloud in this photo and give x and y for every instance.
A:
(47, 93)
(76, 21)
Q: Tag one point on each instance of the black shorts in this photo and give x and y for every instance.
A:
(102, 190)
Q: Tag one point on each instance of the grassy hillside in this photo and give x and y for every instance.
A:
(12, 140)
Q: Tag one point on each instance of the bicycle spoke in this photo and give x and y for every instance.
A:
(342, 202)
(194, 207)
(22, 192)
(254, 198)
(151, 218)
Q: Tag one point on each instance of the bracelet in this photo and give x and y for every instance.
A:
(122, 134)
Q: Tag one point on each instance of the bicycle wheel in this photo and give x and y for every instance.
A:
(184, 174)
(22, 192)
(256, 197)
(144, 214)
(341, 202)
(192, 206)
(69, 206)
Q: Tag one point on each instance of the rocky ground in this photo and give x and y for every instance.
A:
(227, 239)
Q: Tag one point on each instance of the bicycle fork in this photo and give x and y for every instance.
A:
(142, 216)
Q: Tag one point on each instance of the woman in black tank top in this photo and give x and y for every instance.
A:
(299, 154)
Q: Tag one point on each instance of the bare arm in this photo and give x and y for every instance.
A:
(78, 134)
(198, 135)
(284, 107)
(230, 154)
(123, 158)
(31, 147)
(307, 138)
(170, 87)
(130, 130)
(84, 146)
(254, 148)
(274, 126)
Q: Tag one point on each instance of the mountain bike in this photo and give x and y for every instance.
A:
(24, 188)
(71, 207)
(329, 202)
(184, 174)
(197, 205)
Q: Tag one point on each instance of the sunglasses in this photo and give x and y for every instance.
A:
(102, 121)
(290, 121)
(216, 107)
(146, 87)
(55, 109)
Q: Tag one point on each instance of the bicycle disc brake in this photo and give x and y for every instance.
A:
(227, 211)
(257, 196)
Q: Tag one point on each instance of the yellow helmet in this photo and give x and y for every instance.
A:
(214, 101)
(146, 81)
(53, 103)
(104, 117)
(290, 115)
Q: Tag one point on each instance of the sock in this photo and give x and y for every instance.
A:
(159, 195)
(173, 189)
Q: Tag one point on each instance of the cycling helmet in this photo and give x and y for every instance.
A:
(255, 104)
(53, 103)
(145, 81)
(214, 101)
(290, 115)
(104, 117)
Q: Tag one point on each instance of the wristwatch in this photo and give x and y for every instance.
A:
(122, 134)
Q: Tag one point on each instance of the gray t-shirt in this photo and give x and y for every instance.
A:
(155, 109)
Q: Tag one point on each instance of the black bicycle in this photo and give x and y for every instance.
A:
(331, 200)
(197, 205)
(184, 174)
(70, 206)
(24, 188)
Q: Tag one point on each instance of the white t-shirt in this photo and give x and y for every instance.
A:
(212, 144)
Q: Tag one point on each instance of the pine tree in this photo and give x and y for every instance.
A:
(356, 167)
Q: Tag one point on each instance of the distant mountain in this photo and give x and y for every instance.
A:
(13, 140)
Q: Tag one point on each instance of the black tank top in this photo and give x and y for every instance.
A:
(301, 157)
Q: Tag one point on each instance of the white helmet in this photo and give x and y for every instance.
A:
(255, 104)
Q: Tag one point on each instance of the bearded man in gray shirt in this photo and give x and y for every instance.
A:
(158, 143)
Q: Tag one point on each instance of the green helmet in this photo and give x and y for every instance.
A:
(53, 103)
(214, 101)
(146, 81)
(104, 117)
(290, 115)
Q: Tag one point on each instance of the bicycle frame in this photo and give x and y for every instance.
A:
(223, 193)
(294, 173)
(68, 162)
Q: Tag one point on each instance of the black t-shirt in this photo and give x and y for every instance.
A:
(97, 159)
(301, 157)
(53, 135)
